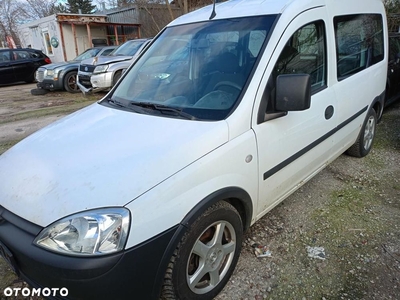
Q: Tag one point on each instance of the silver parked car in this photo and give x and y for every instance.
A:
(101, 73)
(62, 75)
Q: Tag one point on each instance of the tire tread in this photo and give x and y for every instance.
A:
(168, 290)
(357, 149)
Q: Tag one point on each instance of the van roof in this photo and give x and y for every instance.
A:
(244, 8)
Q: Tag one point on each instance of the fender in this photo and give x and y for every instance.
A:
(73, 67)
(238, 197)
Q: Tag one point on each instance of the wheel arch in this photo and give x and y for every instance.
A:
(236, 196)
(67, 70)
(378, 105)
(114, 73)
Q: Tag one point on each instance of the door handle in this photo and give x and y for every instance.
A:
(329, 112)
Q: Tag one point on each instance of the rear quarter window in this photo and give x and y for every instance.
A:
(36, 54)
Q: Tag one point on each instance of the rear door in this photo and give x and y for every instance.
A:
(294, 146)
(24, 66)
(360, 77)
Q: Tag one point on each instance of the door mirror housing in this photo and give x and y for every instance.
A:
(293, 92)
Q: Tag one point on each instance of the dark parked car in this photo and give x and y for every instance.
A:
(393, 80)
(62, 76)
(20, 64)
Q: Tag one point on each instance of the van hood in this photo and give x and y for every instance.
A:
(99, 157)
(102, 60)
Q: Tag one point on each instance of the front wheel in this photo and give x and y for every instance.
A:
(206, 256)
(117, 76)
(70, 82)
(366, 136)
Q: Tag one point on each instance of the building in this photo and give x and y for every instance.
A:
(64, 36)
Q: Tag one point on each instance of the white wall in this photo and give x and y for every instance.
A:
(33, 33)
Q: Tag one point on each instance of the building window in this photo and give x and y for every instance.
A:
(49, 48)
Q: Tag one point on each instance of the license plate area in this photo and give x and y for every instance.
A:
(9, 258)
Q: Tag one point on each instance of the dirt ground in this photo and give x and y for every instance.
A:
(351, 209)
(22, 114)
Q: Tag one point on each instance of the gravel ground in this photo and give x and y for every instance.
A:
(351, 210)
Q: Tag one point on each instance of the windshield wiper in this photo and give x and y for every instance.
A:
(165, 109)
(122, 105)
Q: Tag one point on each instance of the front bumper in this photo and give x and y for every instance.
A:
(94, 83)
(49, 84)
(128, 274)
(102, 81)
(83, 82)
(84, 89)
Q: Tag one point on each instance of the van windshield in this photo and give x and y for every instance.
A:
(197, 70)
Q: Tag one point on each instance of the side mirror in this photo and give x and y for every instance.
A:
(293, 92)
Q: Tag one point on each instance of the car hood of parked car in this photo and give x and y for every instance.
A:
(106, 60)
(98, 157)
(53, 66)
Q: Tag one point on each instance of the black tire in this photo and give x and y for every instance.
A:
(365, 139)
(117, 76)
(37, 92)
(70, 82)
(215, 238)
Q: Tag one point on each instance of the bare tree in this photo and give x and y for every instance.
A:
(15, 12)
(9, 18)
(191, 5)
(392, 6)
(154, 16)
(393, 14)
(36, 9)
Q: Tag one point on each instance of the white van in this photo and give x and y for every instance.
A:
(147, 193)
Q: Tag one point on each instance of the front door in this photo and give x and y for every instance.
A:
(294, 146)
(6, 68)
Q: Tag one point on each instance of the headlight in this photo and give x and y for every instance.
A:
(53, 73)
(94, 232)
(100, 69)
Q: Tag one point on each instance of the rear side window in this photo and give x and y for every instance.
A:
(21, 55)
(359, 43)
(106, 52)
